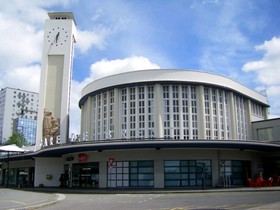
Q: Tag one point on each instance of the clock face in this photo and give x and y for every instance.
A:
(57, 36)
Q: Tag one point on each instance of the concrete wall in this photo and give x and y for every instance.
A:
(273, 124)
(48, 166)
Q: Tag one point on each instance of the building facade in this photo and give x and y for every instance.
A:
(160, 128)
(173, 104)
(16, 103)
(163, 128)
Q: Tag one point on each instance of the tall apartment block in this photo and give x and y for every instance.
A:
(16, 104)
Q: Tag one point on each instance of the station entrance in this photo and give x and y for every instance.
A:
(85, 175)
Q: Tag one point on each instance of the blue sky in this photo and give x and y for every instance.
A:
(235, 38)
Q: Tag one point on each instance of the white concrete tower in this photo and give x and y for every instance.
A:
(54, 97)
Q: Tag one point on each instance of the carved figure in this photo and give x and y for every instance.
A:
(51, 127)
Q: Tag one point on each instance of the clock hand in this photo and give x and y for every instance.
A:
(56, 37)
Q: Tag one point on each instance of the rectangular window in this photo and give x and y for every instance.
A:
(194, 113)
(241, 117)
(151, 112)
(131, 174)
(187, 173)
(265, 134)
(207, 113)
(124, 113)
(232, 171)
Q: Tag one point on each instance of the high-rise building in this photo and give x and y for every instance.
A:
(27, 127)
(15, 103)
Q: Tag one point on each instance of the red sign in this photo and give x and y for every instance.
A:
(111, 161)
(83, 157)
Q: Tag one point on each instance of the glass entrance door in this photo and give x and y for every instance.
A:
(235, 172)
(85, 175)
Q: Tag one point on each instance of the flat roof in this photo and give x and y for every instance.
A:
(68, 15)
(157, 76)
(120, 144)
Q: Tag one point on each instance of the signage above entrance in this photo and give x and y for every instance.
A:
(83, 158)
(111, 161)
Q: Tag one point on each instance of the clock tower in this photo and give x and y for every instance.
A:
(54, 97)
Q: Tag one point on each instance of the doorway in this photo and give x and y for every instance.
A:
(85, 175)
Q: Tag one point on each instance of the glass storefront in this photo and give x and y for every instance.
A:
(141, 173)
(131, 174)
(20, 177)
(234, 172)
(187, 173)
(85, 175)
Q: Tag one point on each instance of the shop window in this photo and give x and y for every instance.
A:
(85, 175)
(131, 174)
(234, 172)
(187, 173)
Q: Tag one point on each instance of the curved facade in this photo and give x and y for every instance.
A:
(169, 104)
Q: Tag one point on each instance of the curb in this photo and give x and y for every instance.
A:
(272, 206)
(149, 191)
(59, 197)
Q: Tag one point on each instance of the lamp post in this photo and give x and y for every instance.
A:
(203, 176)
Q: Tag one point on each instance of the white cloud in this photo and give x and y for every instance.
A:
(26, 78)
(105, 67)
(223, 34)
(269, 66)
(267, 70)
(20, 43)
(88, 39)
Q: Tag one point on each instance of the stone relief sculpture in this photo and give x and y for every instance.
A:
(51, 128)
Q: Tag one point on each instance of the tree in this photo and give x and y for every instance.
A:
(17, 139)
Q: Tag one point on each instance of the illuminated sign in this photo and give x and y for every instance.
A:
(83, 158)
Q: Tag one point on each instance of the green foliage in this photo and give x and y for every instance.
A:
(17, 139)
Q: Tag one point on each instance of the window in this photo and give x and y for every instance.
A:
(232, 171)
(194, 113)
(207, 113)
(141, 174)
(151, 112)
(187, 173)
(241, 117)
(214, 113)
(176, 112)
(124, 113)
(257, 109)
(265, 134)
(185, 109)
(131, 174)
